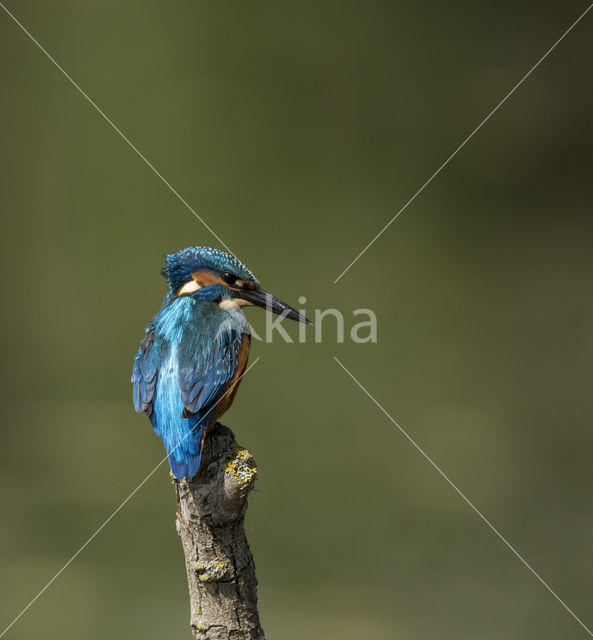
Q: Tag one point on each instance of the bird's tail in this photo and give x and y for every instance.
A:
(185, 469)
(185, 455)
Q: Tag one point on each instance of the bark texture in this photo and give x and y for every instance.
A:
(210, 521)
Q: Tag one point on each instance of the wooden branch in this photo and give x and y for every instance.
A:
(210, 521)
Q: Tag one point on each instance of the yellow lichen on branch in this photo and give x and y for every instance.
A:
(242, 466)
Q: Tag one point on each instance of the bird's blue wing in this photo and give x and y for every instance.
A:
(208, 360)
(144, 373)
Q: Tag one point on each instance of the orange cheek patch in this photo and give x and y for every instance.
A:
(205, 278)
(244, 283)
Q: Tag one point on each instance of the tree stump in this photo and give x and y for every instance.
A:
(210, 521)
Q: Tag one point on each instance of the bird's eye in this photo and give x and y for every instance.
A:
(229, 278)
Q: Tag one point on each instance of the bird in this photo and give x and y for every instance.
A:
(195, 349)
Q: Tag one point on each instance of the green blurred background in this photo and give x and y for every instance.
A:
(297, 131)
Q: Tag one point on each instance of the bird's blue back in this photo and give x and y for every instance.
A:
(190, 355)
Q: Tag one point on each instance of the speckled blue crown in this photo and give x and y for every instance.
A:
(179, 266)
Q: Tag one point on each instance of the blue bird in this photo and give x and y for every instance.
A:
(195, 349)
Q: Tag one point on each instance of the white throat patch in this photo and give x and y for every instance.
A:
(233, 304)
(189, 287)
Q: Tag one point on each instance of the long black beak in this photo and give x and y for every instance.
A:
(262, 298)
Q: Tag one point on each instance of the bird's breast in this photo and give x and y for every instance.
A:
(230, 389)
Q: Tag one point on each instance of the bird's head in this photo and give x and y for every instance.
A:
(216, 276)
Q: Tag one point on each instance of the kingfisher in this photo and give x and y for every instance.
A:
(195, 350)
